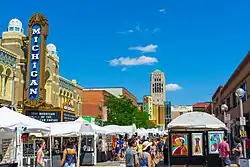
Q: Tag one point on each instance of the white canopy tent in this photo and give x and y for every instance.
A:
(142, 132)
(65, 129)
(9, 120)
(196, 120)
(13, 123)
(116, 129)
(73, 129)
(96, 128)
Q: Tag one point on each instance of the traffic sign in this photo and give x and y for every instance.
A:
(242, 121)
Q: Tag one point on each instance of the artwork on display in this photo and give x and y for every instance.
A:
(214, 139)
(197, 144)
(179, 144)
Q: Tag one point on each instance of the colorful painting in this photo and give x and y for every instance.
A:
(179, 144)
(197, 144)
(214, 139)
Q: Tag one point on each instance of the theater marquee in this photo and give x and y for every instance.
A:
(38, 32)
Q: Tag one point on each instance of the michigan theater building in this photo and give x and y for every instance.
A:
(30, 81)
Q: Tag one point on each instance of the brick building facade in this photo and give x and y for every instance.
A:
(226, 95)
(93, 103)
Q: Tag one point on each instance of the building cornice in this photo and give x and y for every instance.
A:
(242, 65)
(9, 52)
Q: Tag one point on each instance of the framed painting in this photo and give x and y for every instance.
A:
(197, 144)
(214, 139)
(179, 144)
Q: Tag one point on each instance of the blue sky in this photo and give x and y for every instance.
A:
(197, 43)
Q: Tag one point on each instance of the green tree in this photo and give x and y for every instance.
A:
(121, 111)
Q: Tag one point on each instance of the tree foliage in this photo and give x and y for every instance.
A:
(121, 111)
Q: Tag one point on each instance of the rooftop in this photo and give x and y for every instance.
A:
(201, 104)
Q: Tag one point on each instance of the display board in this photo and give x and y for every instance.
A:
(7, 149)
(197, 144)
(45, 116)
(179, 144)
(214, 139)
(69, 117)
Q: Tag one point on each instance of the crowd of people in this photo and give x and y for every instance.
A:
(143, 152)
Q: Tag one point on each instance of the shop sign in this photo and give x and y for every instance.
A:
(45, 116)
(68, 106)
(68, 117)
(34, 65)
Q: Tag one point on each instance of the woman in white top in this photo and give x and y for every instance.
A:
(40, 154)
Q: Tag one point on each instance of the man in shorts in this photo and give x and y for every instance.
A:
(224, 152)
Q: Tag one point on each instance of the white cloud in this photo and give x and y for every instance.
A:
(156, 30)
(137, 28)
(127, 61)
(173, 87)
(163, 10)
(124, 69)
(126, 32)
(145, 49)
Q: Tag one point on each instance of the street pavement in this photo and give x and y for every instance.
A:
(117, 164)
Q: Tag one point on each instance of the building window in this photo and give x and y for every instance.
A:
(11, 29)
(235, 101)
(228, 102)
(219, 109)
(244, 87)
(17, 29)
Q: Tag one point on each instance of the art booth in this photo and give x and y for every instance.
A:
(194, 138)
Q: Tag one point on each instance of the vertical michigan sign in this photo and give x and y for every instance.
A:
(35, 79)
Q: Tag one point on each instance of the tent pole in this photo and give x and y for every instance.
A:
(50, 149)
(79, 150)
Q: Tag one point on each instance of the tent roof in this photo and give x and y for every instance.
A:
(64, 129)
(196, 120)
(116, 129)
(96, 128)
(10, 119)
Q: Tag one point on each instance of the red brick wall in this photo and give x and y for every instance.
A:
(130, 96)
(92, 100)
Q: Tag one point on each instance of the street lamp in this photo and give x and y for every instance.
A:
(224, 109)
(240, 93)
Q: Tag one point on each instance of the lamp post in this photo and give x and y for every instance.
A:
(224, 109)
(240, 93)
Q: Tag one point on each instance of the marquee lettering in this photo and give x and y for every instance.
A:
(36, 31)
(35, 62)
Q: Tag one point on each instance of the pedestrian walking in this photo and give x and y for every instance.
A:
(224, 152)
(69, 155)
(145, 157)
(237, 151)
(40, 154)
(131, 154)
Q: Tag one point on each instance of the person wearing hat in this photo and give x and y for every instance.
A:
(130, 155)
(144, 157)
